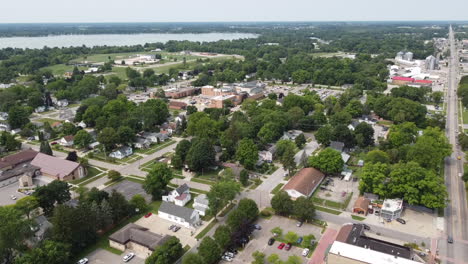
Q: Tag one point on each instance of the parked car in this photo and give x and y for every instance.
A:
(288, 246)
(172, 227)
(299, 240)
(148, 214)
(281, 246)
(54, 143)
(299, 223)
(227, 258)
(450, 240)
(271, 241)
(128, 257)
(366, 227)
(13, 197)
(258, 227)
(229, 254)
(83, 261)
(401, 221)
(305, 252)
(176, 228)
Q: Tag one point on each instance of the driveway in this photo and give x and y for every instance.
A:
(102, 256)
(260, 239)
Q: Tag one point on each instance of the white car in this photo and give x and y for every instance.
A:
(227, 258)
(83, 261)
(128, 257)
(305, 252)
(13, 197)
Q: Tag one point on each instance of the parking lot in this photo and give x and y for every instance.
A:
(337, 190)
(102, 256)
(12, 189)
(161, 226)
(129, 189)
(259, 240)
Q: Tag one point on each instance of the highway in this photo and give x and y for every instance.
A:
(456, 214)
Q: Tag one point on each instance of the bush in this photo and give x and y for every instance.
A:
(267, 212)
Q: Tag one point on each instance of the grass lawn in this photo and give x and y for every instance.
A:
(203, 181)
(465, 116)
(327, 210)
(49, 120)
(61, 69)
(155, 147)
(359, 218)
(206, 229)
(227, 209)
(209, 174)
(91, 173)
(277, 188)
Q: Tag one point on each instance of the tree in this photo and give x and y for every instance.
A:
(18, 116)
(191, 109)
(274, 259)
(303, 209)
(108, 138)
(300, 141)
(222, 236)
(49, 251)
(430, 149)
(324, 135)
(277, 231)
(291, 237)
(220, 194)
(54, 192)
(167, 253)
(247, 211)
(288, 161)
(294, 260)
(282, 203)
(26, 205)
(14, 230)
(244, 177)
(139, 202)
(125, 135)
(120, 207)
(364, 135)
(114, 175)
(373, 178)
(375, 156)
(259, 257)
(209, 250)
(201, 154)
(72, 156)
(82, 139)
(192, 258)
(157, 180)
(8, 141)
(328, 161)
(183, 148)
(68, 128)
(45, 148)
(437, 97)
(247, 153)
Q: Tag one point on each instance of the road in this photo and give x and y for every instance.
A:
(456, 214)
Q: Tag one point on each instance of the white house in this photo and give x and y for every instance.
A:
(142, 143)
(183, 216)
(5, 127)
(265, 156)
(82, 124)
(153, 137)
(200, 204)
(180, 196)
(15, 131)
(121, 153)
(66, 141)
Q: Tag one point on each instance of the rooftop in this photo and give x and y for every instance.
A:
(306, 180)
(392, 205)
(18, 158)
(179, 211)
(139, 235)
(54, 166)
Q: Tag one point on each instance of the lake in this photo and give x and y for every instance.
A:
(113, 39)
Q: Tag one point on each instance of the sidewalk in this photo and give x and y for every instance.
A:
(327, 239)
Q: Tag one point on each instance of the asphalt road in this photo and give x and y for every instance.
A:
(456, 214)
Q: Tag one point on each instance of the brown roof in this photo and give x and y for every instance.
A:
(362, 203)
(54, 166)
(344, 232)
(177, 104)
(68, 138)
(305, 181)
(139, 235)
(18, 158)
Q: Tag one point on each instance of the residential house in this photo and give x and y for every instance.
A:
(337, 145)
(5, 127)
(153, 137)
(3, 116)
(82, 124)
(56, 125)
(121, 153)
(304, 183)
(265, 156)
(361, 206)
(41, 227)
(138, 239)
(58, 169)
(15, 131)
(180, 196)
(162, 136)
(94, 145)
(345, 157)
(66, 141)
(142, 143)
(201, 204)
(291, 134)
(184, 216)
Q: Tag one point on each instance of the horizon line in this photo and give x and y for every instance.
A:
(239, 21)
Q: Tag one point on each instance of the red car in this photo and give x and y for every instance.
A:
(288, 246)
(54, 143)
(148, 214)
(281, 246)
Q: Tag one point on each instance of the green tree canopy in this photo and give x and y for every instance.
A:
(157, 179)
(328, 161)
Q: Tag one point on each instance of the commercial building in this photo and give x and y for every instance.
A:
(431, 63)
(176, 93)
(13, 167)
(304, 183)
(138, 239)
(180, 215)
(391, 208)
(361, 206)
(399, 80)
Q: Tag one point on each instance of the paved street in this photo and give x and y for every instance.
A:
(456, 213)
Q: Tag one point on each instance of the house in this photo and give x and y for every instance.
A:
(336, 145)
(142, 143)
(291, 134)
(304, 183)
(360, 163)
(184, 216)
(62, 103)
(58, 169)
(121, 152)
(180, 196)
(56, 124)
(153, 137)
(138, 239)
(82, 124)
(94, 145)
(265, 156)
(3, 116)
(345, 157)
(162, 136)
(5, 127)
(201, 204)
(361, 205)
(41, 227)
(346, 173)
(15, 131)
(391, 209)
(66, 141)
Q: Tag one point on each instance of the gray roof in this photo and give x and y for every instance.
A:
(183, 188)
(201, 199)
(336, 145)
(178, 211)
(139, 235)
(43, 225)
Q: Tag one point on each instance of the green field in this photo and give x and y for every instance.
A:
(166, 56)
(61, 69)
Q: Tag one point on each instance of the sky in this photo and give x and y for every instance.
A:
(41, 11)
